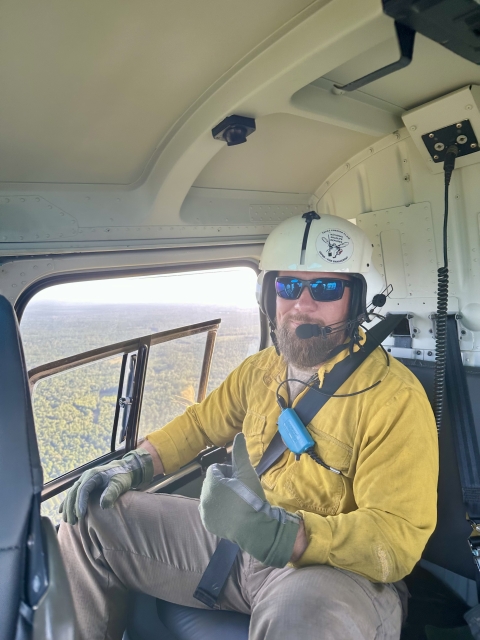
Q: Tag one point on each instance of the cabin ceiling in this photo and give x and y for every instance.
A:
(106, 113)
(90, 88)
(287, 154)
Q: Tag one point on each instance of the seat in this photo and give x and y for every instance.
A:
(35, 600)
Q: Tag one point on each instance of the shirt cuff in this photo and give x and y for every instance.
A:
(319, 536)
(166, 449)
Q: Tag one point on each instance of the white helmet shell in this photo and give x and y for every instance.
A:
(318, 243)
(332, 245)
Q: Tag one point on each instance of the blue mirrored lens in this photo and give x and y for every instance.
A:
(288, 288)
(326, 291)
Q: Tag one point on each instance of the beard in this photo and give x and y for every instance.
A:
(305, 353)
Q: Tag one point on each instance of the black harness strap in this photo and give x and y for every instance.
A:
(465, 436)
(221, 562)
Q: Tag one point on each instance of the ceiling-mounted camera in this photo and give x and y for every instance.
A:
(234, 130)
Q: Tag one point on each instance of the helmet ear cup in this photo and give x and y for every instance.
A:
(269, 297)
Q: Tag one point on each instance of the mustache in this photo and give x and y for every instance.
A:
(303, 319)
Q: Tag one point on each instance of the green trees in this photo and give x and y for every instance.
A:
(74, 411)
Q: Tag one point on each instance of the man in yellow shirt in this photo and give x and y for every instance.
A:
(325, 539)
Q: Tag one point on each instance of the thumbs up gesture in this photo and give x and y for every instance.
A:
(233, 506)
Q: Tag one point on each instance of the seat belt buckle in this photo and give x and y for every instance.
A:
(207, 598)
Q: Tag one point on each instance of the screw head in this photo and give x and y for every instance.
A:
(439, 146)
(473, 145)
(459, 125)
(413, 128)
(430, 135)
(463, 332)
(419, 353)
(430, 353)
(435, 157)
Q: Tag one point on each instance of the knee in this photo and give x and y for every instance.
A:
(304, 600)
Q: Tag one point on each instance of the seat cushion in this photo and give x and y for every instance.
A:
(187, 623)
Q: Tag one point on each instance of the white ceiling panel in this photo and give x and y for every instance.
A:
(89, 89)
(433, 72)
(286, 153)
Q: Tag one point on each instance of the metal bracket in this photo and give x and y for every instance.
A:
(433, 318)
(406, 39)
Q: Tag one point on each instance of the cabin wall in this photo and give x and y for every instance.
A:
(391, 193)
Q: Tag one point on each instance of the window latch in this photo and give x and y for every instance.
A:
(125, 402)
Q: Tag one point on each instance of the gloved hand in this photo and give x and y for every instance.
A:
(116, 477)
(233, 506)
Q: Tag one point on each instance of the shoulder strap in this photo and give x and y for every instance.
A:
(312, 402)
(463, 424)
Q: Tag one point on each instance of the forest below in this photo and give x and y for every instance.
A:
(74, 411)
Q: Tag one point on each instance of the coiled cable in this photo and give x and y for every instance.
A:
(442, 300)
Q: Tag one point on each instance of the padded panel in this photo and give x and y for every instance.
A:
(187, 623)
(20, 471)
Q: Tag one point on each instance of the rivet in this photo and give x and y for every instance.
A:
(430, 135)
(459, 125)
(473, 145)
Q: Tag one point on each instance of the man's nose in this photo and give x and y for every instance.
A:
(305, 302)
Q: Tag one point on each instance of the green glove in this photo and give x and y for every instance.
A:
(233, 506)
(115, 478)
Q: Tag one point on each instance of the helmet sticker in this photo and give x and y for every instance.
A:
(334, 246)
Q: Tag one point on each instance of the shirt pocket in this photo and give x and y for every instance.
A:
(311, 486)
(253, 429)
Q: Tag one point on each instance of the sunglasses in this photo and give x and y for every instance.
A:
(321, 289)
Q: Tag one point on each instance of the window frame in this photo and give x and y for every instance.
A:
(63, 482)
(51, 280)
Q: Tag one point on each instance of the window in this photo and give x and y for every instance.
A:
(74, 410)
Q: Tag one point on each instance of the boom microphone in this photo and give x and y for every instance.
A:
(305, 331)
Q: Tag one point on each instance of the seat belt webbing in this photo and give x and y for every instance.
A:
(465, 436)
(221, 562)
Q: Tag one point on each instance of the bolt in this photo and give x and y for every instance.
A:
(463, 332)
(430, 353)
(389, 350)
(459, 125)
(419, 353)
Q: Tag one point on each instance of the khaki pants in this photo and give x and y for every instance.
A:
(156, 544)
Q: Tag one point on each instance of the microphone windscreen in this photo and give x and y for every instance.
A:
(305, 331)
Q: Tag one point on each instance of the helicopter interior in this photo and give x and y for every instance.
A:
(144, 139)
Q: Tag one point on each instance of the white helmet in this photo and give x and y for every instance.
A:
(319, 243)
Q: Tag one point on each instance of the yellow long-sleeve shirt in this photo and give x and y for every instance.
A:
(375, 518)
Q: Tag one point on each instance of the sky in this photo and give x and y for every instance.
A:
(235, 286)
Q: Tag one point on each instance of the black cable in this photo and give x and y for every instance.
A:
(442, 298)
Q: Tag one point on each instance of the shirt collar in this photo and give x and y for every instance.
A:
(278, 371)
